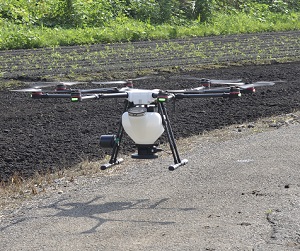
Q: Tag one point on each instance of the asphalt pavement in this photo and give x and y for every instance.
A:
(236, 194)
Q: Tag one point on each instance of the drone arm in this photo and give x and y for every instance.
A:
(113, 95)
(197, 95)
(233, 92)
(217, 90)
(50, 95)
(202, 95)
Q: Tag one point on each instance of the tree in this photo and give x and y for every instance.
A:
(203, 9)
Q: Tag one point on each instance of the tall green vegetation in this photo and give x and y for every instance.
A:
(28, 24)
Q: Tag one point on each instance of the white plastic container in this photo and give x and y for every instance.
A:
(143, 128)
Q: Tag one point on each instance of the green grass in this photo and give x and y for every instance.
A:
(17, 36)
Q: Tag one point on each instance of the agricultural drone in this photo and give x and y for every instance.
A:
(145, 117)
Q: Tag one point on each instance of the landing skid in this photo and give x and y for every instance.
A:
(175, 166)
(108, 165)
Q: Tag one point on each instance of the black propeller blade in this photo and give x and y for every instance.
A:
(128, 81)
(211, 81)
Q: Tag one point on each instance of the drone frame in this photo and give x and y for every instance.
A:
(148, 151)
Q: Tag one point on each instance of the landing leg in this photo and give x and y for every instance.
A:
(166, 123)
(116, 146)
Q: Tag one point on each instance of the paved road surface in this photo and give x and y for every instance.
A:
(240, 194)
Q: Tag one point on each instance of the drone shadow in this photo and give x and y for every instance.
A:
(93, 210)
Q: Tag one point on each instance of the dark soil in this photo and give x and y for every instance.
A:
(50, 134)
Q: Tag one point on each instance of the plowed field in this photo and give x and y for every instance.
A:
(50, 134)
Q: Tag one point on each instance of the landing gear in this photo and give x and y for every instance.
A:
(166, 122)
(145, 151)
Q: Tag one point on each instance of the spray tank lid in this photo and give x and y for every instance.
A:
(137, 111)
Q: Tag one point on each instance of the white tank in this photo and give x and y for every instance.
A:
(143, 127)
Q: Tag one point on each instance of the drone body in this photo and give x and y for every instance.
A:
(145, 117)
